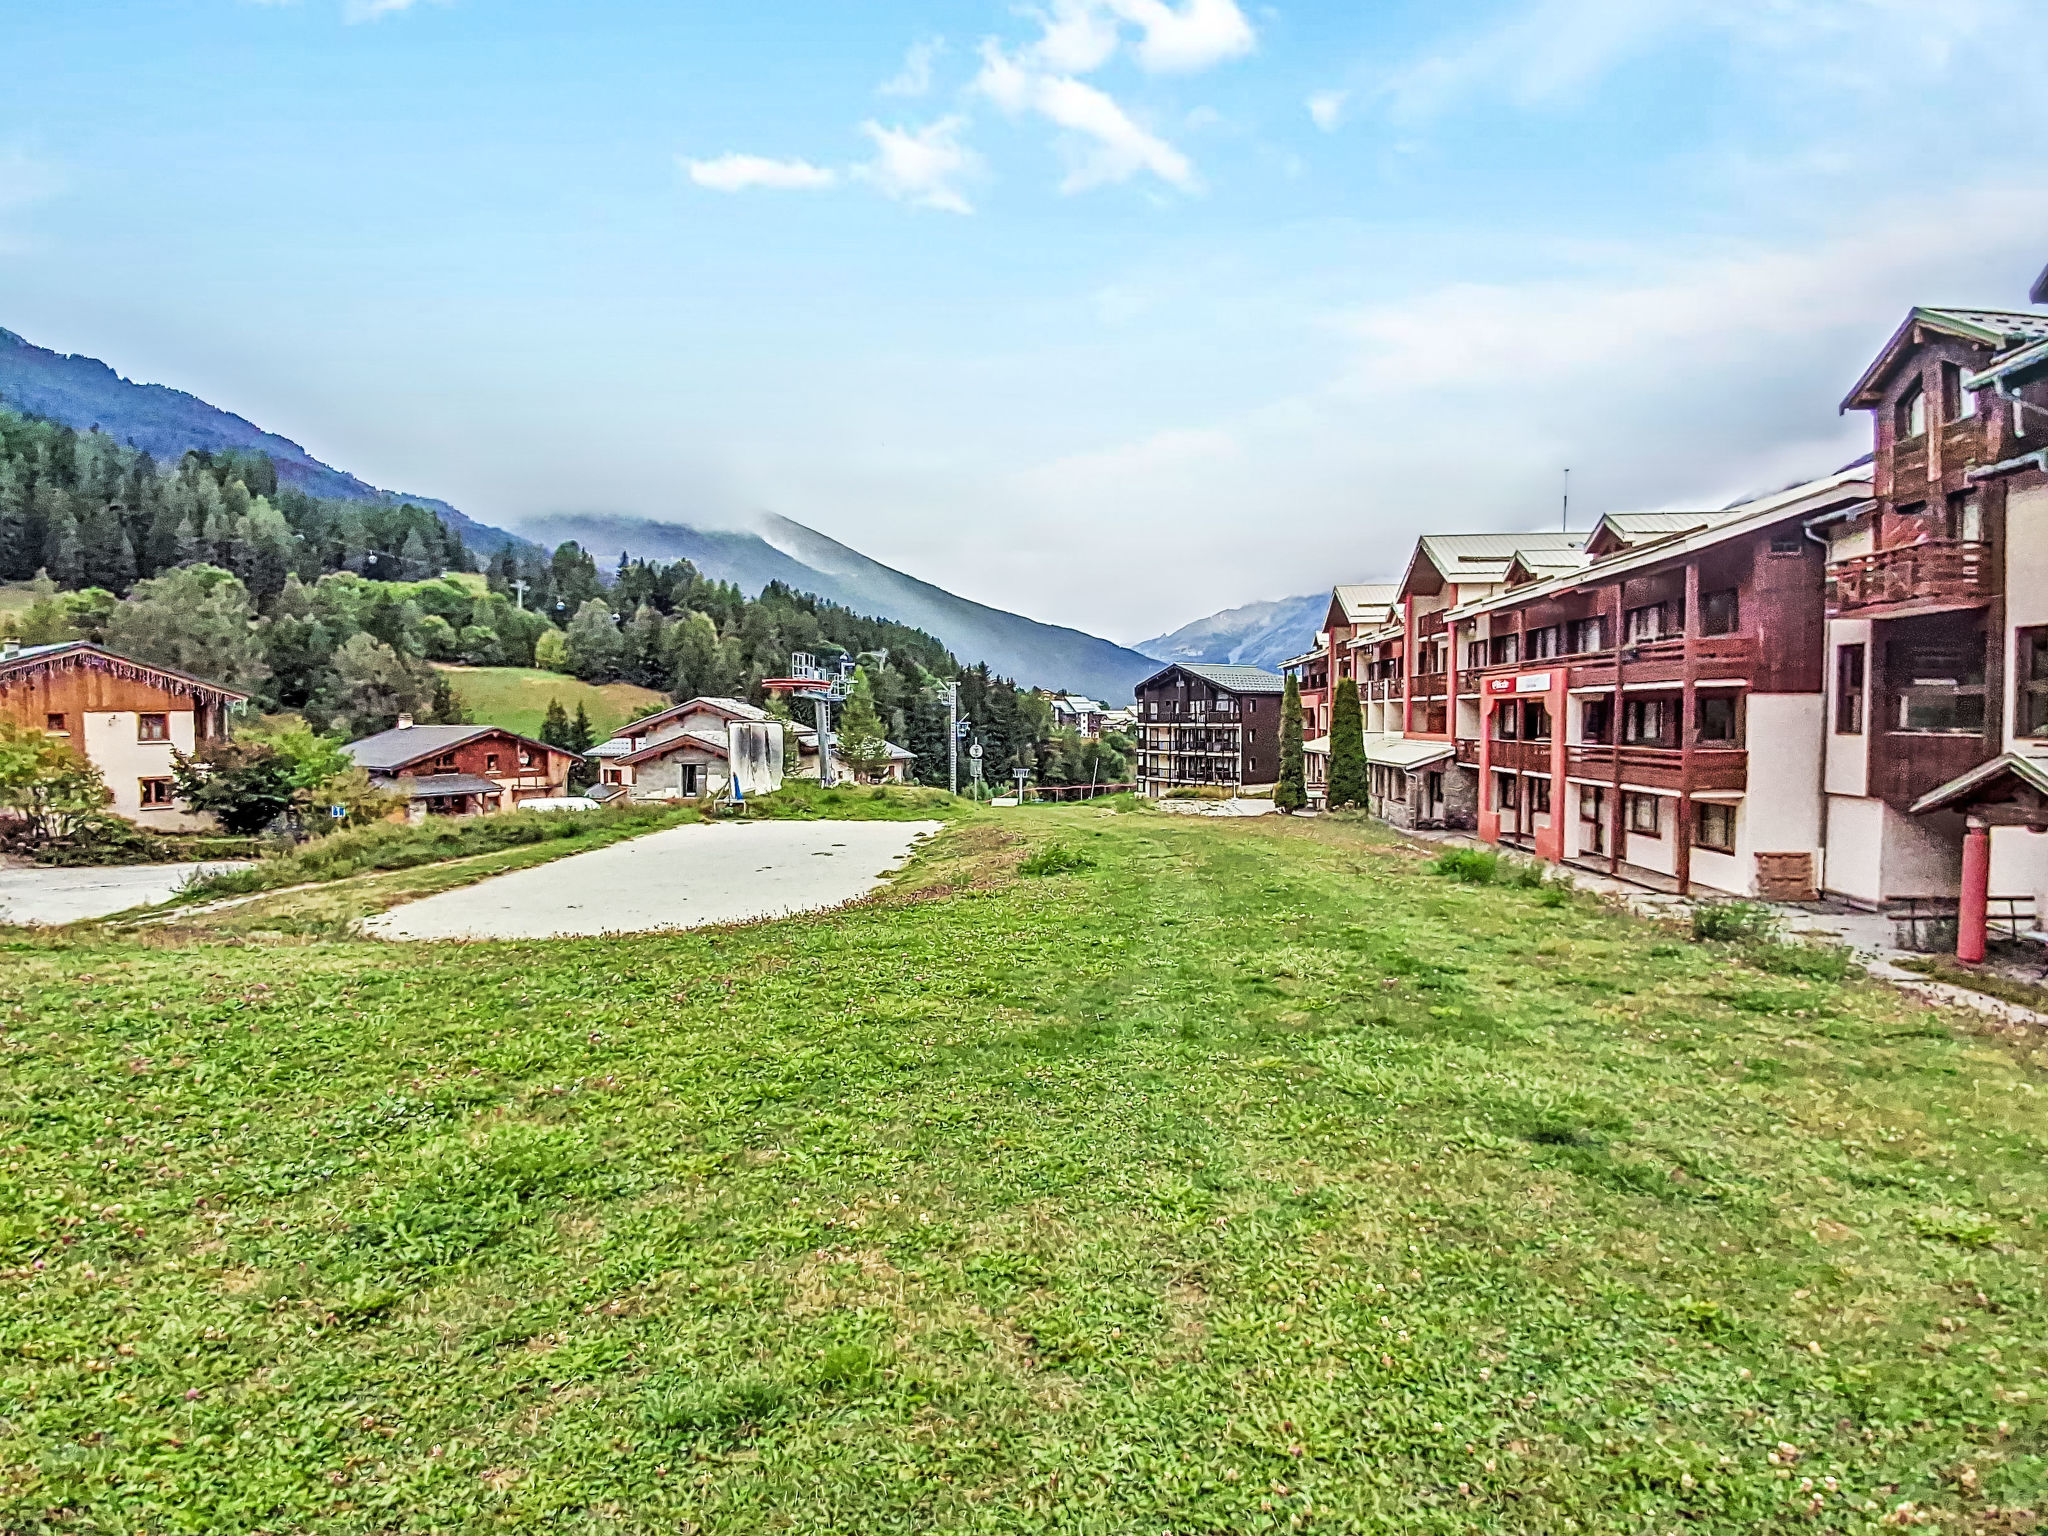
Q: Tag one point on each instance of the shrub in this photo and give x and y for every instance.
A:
(1733, 921)
(1474, 866)
(1056, 859)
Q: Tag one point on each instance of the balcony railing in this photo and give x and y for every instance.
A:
(1520, 756)
(1431, 623)
(1663, 767)
(1943, 573)
(1716, 658)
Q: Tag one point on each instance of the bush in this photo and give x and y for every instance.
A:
(1733, 921)
(1056, 859)
(1474, 866)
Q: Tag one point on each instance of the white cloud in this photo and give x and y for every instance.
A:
(740, 173)
(1078, 37)
(1327, 108)
(915, 78)
(371, 10)
(1191, 36)
(921, 166)
(1105, 143)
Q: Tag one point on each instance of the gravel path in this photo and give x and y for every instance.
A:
(51, 896)
(686, 877)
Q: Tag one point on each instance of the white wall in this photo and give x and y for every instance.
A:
(2019, 865)
(2026, 587)
(1854, 865)
(109, 744)
(1923, 855)
(1781, 814)
(1848, 756)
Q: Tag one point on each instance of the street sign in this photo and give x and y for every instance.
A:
(975, 751)
(337, 811)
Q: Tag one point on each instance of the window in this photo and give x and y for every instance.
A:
(445, 763)
(1584, 635)
(1961, 404)
(1507, 722)
(155, 793)
(1535, 721)
(1720, 612)
(1593, 814)
(1644, 816)
(1713, 827)
(1475, 655)
(1539, 797)
(1849, 690)
(1965, 518)
(1643, 721)
(1506, 650)
(526, 757)
(1910, 418)
(1504, 791)
(152, 727)
(1937, 673)
(1597, 723)
(1788, 544)
(1646, 622)
(2030, 680)
(1716, 717)
(55, 725)
(490, 762)
(1540, 644)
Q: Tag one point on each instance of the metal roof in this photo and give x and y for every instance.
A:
(1393, 751)
(1229, 679)
(389, 751)
(2030, 771)
(738, 709)
(36, 655)
(1990, 327)
(1470, 557)
(1362, 601)
(427, 785)
(703, 741)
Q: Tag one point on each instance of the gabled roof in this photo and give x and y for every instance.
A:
(1844, 488)
(732, 709)
(1472, 558)
(2038, 294)
(1363, 602)
(1539, 564)
(1628, 530)
(389, 751)
(1994, 328)
(83, 653)
(1229, 679)
(702, 741)
(2025, 773)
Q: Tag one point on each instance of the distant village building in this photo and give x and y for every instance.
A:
(462, 770)
(1208, 727)
(690, 751)
(123, 716)
(1072, 712)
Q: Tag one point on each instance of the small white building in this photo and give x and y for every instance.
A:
(692, 751)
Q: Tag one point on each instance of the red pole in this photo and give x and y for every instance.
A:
(1976, 894)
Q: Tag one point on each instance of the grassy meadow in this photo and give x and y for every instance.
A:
(517, 698)
(1110, 1172)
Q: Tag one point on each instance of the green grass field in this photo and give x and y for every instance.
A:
(517, 698)
(1232, 1176)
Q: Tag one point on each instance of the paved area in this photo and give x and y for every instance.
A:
(1216, 807)
(46, 897)
(686, 877)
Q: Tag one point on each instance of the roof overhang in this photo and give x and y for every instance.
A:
(1400, 752)
(74, 651)
(1869, 390)
(2013, 371)
(2010, 790)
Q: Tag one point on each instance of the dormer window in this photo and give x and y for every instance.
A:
(1962, 405)
(1912, 411)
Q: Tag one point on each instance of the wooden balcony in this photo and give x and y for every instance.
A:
(1429, 685)
(1662, 767)
(1716, 658)
(1431, 623)
(1935, 577)
(1519, 756)
(1904, 765)
(1466, 749)
(1909, 465)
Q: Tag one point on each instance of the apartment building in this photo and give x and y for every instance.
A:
(1937, 621)
(1208, 727)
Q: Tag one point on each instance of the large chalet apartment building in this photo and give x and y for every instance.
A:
(1841, 687)
(1208, 728)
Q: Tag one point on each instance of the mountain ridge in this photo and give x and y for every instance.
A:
(1261, 634)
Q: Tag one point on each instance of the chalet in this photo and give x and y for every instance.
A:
(689, 751)
(1616, 713)
(1937, 620)
(1208, 727)
(123, 716)
(1072, 712)
(462, 770)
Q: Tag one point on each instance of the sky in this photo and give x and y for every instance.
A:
(1111, 312)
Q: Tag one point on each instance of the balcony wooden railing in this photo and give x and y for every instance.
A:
(1519, 756)
(1431, 623)
(1717, 658)
(1940, 574)
(1909, 463)
(1663, 767)
(1429, 685)
(1467, 749)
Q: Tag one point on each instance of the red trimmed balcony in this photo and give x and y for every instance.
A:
(1935, 577)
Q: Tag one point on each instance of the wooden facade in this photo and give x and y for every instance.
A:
(464, 770)
(1202, 727)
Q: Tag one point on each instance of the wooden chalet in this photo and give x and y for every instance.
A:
(125, 717)
(1208, 727)
(462, 770)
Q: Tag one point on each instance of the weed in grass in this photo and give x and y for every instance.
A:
(1056, 859)
(1733, 921)
(1821, 962)
(1473, 866)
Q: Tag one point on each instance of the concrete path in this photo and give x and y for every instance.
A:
(686, 877)
(52, 896)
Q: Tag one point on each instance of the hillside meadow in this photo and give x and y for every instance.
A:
(1223, 1176)
(517, 698)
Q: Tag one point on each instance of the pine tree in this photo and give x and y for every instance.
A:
(1349, 780)
(582, 736)
(555, 730)
(861, 741)
(1291, 792)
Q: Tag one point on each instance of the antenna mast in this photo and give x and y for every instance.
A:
(1564, 518)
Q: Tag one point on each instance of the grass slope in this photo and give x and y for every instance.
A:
(517, 698)
(1246, 1176)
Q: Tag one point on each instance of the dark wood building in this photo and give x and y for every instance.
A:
(1204, 727)
(463, 770)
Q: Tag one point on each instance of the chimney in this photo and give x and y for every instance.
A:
(405, 722)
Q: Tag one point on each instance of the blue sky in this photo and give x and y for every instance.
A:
(1111, 311)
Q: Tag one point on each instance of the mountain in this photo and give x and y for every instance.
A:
(83, 392)
(777, 549)
(1256, 635)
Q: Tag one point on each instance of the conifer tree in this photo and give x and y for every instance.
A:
(555, 729)
(1291, 792)
(861, 741)
(1349, 783)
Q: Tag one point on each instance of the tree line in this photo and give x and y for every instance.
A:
(339, 611)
